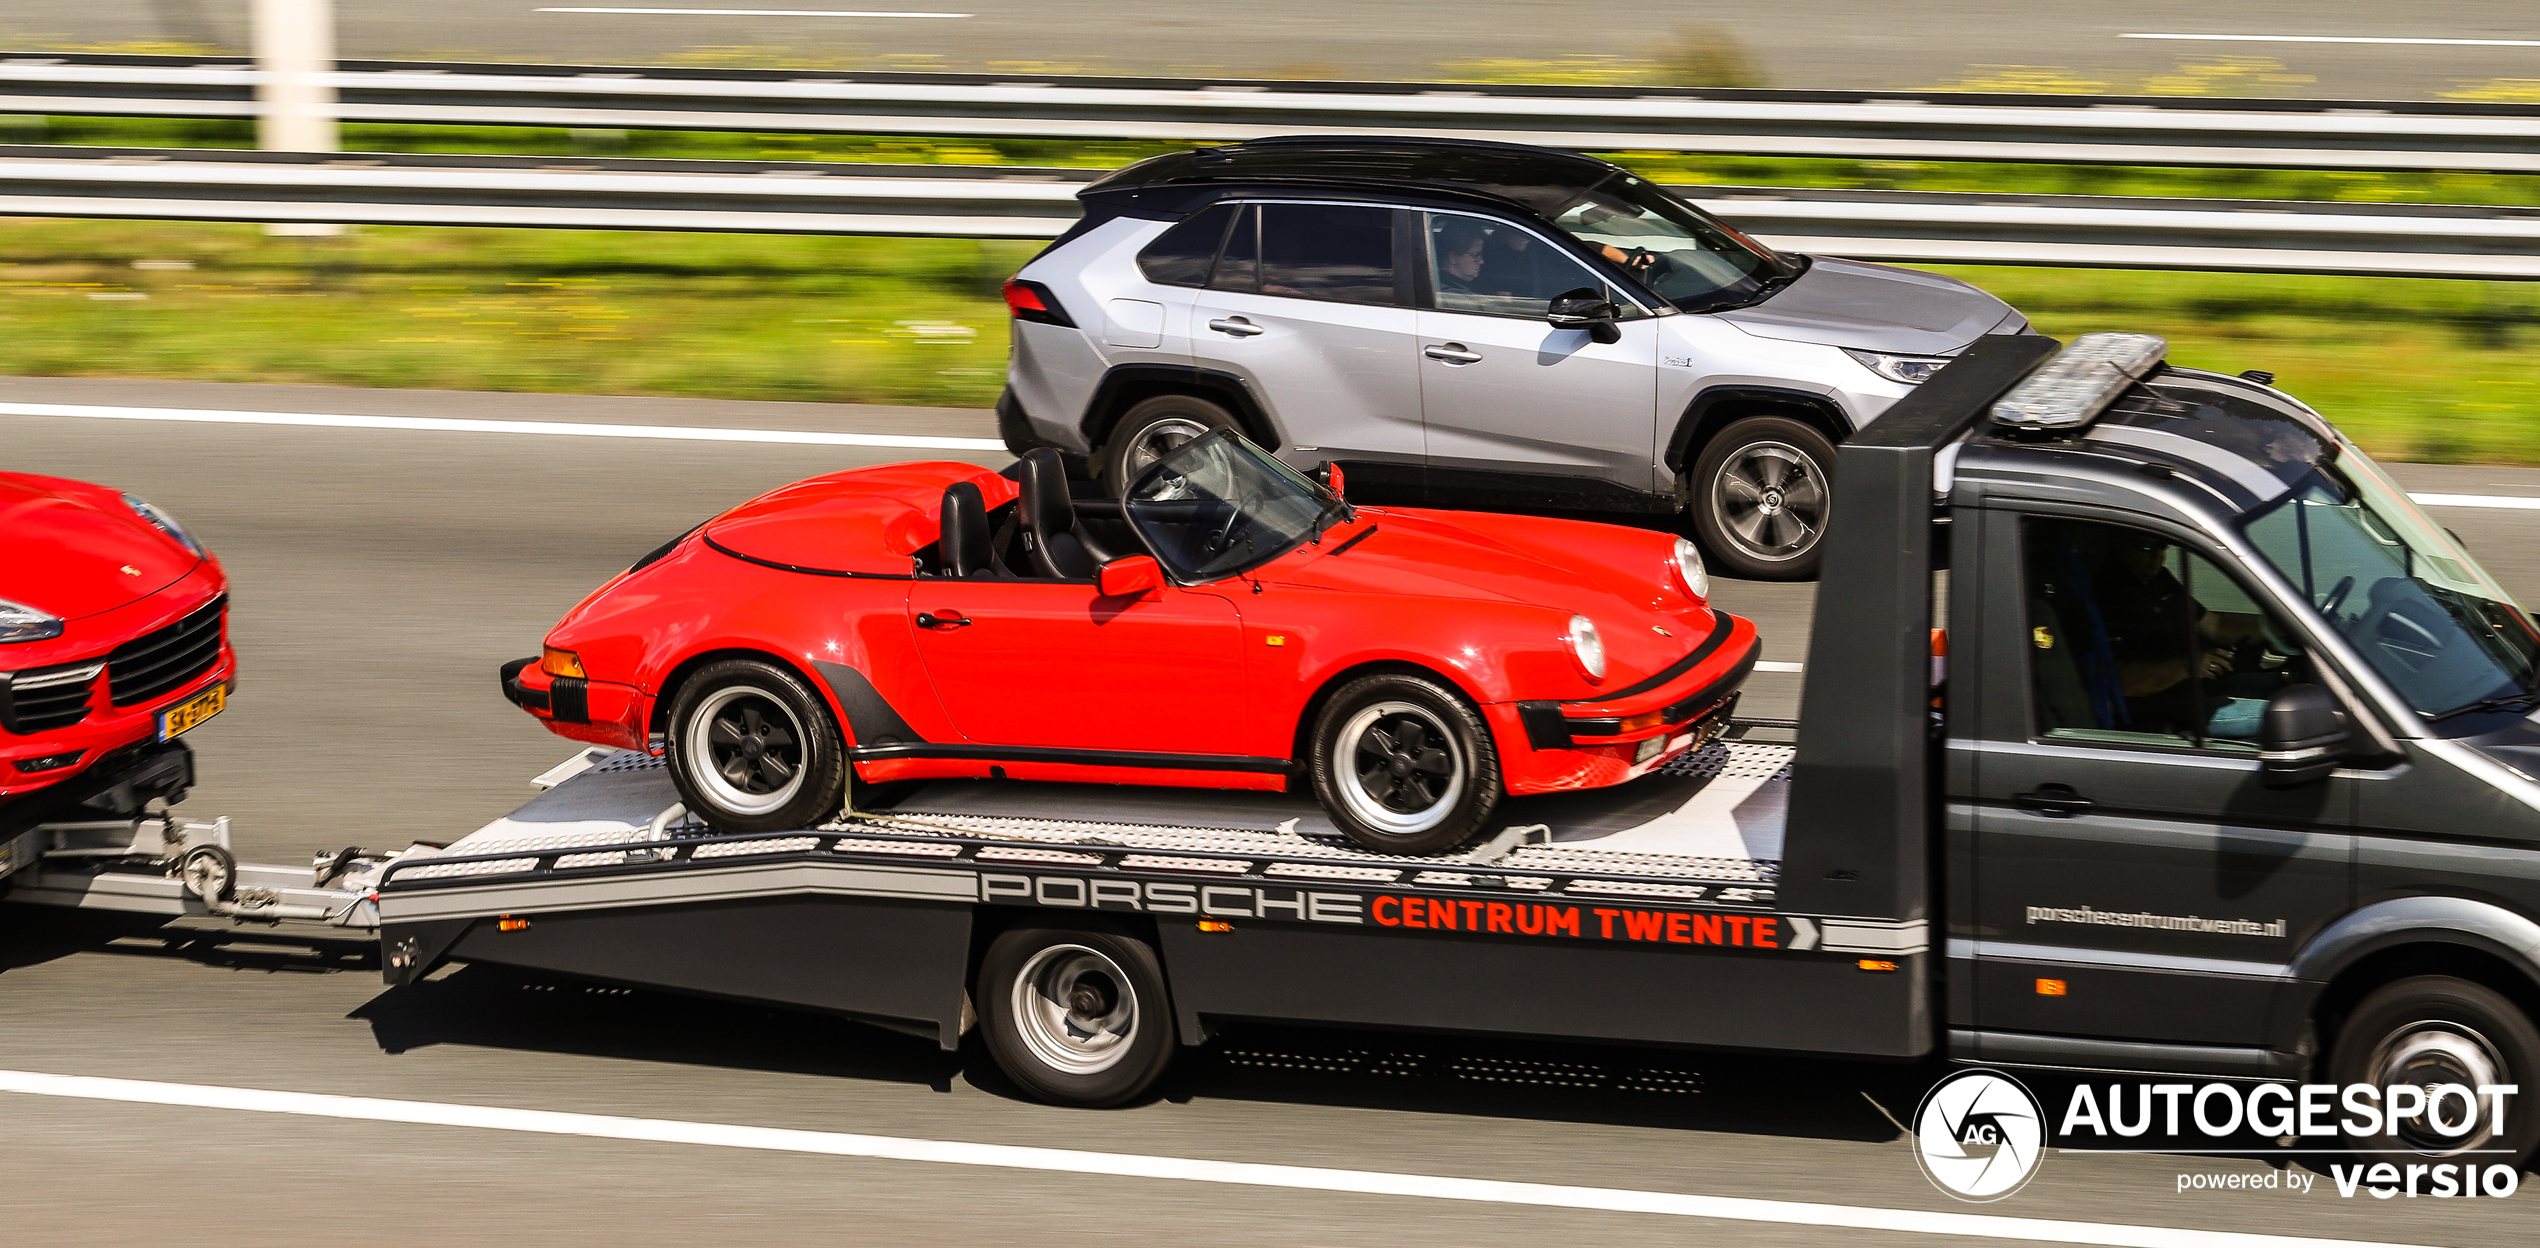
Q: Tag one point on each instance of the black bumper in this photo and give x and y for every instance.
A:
(525, 699)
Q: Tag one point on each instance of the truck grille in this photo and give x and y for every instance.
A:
(145, 667)
(42, 699)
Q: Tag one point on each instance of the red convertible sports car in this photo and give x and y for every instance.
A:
(1229, 623)
(113, 629)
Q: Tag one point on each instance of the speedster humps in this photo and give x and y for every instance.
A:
(1227, 623)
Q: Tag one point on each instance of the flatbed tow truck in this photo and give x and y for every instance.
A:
(2230, 772)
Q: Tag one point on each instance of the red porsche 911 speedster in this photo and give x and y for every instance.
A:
(113, 629)
(1229, 623)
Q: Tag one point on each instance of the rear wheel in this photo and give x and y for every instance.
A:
(1762, 491)
(1151, 430)
(752, 749)
(2433, 1030)
(1076, 1018)
(1403, 766)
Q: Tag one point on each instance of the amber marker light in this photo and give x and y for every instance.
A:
(2050, 988)
(1215, 925)
(1652, 719)
(561, 663)
(1876, 964)
(509, 924)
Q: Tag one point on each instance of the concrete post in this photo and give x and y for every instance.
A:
(295, 50)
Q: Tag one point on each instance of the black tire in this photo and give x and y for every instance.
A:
(1151, 428)
(792, 779)
(1403, 765)
(1760, 496)
(2432, 1029)
(1076, 1018)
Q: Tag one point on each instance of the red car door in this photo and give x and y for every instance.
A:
(1055, 664)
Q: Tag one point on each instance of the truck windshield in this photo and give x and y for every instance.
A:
(2432, 622)
(1217, 505)
(1677, 252)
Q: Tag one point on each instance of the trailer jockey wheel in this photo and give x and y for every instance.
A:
(1076, 1018)
(2432, 1031)
(209, 872)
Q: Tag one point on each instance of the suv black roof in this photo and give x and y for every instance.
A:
(1535, 180)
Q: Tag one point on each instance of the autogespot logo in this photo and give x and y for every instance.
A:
(1979, 1135)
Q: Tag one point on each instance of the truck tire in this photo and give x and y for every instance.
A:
(753, 749)
(1076, 1018)
(1760, 495)
(2434, 1029)
(1147, 431)
(1403, 766)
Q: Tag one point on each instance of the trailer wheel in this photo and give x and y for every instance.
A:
(1403, 766)
(1076, 1018)
(753, 749)
(2431, 1030)
(209, 872)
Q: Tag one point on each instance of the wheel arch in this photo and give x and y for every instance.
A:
(1128, 385)
(1300, 740)
(679, 674)
(1719, 407)
(2478, 941)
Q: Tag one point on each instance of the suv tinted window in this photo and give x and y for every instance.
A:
(1180, 256)
(1481, 265)
(1339, 252)
(1239, 268)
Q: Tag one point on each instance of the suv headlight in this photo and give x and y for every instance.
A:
(1586, 646)
(159, 519)
(1689, 570)
(19, 622)
(1913, 370)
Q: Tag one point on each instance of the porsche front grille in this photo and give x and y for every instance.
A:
(150, 665)
(42, 699)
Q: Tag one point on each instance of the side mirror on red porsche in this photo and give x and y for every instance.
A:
(1332, 480)
(1129, 577)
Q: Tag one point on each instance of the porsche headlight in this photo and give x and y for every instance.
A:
(1586, 646)
(19, 622)
(1689, 570)
(1913, 370)
(159, 519)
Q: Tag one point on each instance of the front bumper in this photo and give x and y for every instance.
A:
(1550, 745)
(43, 757)
(597, 711)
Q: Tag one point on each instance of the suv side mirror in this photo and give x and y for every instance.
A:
(1586, 308)
(2302, 737)
(1131, 576)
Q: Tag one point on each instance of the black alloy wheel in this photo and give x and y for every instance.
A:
(1403, 765)
(1076, 1017)
(2432, 1031)
(1153, 429)
(753, 749)
(1762, 493)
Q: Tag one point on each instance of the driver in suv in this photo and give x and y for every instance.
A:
(1471, 324)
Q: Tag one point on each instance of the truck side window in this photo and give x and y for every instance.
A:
(2134, 638)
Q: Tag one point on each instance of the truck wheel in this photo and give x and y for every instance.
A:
(2433, 1029)
(1403, 765)
(1150, 430)
(1076, 1018)
(752, 749)
(1761, 493)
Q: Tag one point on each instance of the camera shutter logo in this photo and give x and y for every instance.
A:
(1979, 1135)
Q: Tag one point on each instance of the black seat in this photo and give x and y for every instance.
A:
(1058, 548)
(964, 547)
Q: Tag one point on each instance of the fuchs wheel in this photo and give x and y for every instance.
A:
(1076, 1018)
(1762, 491)
(752, 749)
(1150, 430)
(1403, 765)
(2431, 1030)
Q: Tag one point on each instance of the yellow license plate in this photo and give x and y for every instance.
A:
(181, 717)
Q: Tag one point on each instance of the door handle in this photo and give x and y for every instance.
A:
(949, 619)
(1453, 353)
(2053, 800)
(1235, 325)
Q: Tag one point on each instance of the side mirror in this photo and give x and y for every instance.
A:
(2302, 737)
(1131, 576)
(1586, 308)
(1331, 475)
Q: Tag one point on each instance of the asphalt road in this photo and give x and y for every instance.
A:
(1842, 44)
(381, 576)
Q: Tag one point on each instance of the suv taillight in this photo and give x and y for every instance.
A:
(1031, 301)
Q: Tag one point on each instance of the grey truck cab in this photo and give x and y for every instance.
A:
(1472, 324)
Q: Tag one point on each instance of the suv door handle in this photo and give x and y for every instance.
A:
(927, 619)
(2054, 800)
(1235, 325)
(1453, 353)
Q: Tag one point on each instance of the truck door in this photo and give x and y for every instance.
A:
(2133, 878)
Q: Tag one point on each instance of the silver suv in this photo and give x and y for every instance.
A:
(1471, 324)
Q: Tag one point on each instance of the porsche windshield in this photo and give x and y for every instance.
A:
(1217, 505)
(2403, 593)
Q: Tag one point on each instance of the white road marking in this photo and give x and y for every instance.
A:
(554, 428)
(752, 12)
(2463, 43)
(2477, 500)
(1781, 667)
(1132, 1165)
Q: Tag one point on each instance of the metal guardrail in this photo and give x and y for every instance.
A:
(979, 202)
(2143, 130)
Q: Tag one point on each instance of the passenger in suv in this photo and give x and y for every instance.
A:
(1471, 324)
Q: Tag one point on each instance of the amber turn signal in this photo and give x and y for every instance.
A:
(2050, 987)
(561, 663)
(1877, 964)
(1651, 720)
(509, 924)
(1215, 925)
